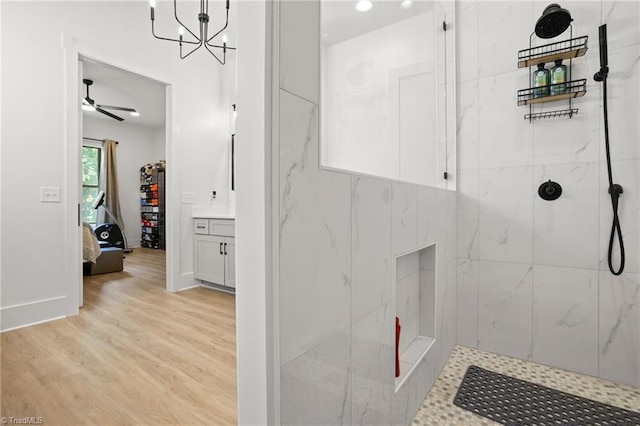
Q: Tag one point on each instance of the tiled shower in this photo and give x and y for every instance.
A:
(533, 280)
(515, 274)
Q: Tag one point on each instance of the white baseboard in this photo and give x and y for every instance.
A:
(32, 313)
(187, 281)
(133, 243)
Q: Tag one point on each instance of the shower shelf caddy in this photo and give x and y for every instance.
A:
(567, 49)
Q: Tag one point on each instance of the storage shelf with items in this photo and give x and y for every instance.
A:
(555, 84)
(152, 205)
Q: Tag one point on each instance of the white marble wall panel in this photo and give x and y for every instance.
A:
(445, 315)
(560, 236)
(575, 140)
(500, 29)
(565, 318)
(403, 217)
(627, 174)
(445, 219)
(450, 225)
(504, 138)
(505, 308)
(402, 406)
(623, 87)
(467, 37)
(299, 56)
(467, 125)
(467, 217)
(426, 215)
(620, 328)
(315, 223)
(372, 367)
(622, 19)
(408, 293)
(372, 262)
(427, 294)
(505, 214)
(467, 303)
(315, 387)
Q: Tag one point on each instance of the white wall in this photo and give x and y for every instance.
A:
(533, 277)
(380, 101)
(34, 139)
(137, 146)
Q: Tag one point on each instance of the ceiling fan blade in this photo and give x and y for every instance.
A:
(117, 108)
(109, 114)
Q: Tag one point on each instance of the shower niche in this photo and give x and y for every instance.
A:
(415, 308)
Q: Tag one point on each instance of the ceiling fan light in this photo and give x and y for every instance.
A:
(135, 113)
(88, 107)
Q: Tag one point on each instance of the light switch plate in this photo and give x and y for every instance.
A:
(188, 197)
(49, 194)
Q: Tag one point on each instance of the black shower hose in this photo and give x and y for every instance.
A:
(614, 190)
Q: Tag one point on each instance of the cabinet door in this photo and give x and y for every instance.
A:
(210, 258)
(230, 263)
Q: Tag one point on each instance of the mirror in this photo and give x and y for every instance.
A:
(383, 91)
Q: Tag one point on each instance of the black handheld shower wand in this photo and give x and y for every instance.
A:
(614, 189)
(604, 60)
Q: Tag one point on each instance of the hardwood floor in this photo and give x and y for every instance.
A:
(135, 355)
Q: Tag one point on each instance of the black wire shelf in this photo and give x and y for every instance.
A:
(535, 95)
(552, 114)
(567, 49)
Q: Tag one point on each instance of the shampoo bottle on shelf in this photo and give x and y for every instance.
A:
(558, 78)
(541, 82)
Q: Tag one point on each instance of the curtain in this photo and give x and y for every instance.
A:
(109, 184)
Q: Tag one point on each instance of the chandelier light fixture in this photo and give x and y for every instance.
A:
(203, 38)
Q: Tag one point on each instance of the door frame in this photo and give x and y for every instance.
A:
(75, 49)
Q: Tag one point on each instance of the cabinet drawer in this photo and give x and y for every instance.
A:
(224, 228)
(201, 226)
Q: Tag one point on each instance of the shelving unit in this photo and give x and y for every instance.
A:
(152, 207)
(566, 49)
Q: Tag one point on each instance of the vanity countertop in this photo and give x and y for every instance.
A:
(213, 216)
(209, 213)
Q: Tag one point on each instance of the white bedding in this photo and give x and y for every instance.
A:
(90, 244)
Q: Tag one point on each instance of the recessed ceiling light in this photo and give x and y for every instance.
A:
(406, 4)
(364, 5)
(135, 113)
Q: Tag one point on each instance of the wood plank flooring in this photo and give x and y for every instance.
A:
(135, 355)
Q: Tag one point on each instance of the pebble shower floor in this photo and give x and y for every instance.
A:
(438, 408)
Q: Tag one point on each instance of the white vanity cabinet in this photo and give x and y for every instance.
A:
(215, 251)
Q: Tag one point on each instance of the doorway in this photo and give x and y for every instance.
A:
(131, 109)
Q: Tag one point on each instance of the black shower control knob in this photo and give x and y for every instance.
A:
(549, 190)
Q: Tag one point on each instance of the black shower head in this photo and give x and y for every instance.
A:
(553, 22)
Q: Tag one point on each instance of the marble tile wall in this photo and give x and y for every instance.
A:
(339, 237)
(533, 280)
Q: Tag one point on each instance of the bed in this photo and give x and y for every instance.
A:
(90, 245)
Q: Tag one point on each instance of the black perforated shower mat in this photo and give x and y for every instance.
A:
(512, 402)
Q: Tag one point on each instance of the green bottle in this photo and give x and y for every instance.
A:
(558, 78)
(541, 82)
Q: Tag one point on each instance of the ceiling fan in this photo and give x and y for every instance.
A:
(89, 104)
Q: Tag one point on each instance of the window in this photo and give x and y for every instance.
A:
(90, 182)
